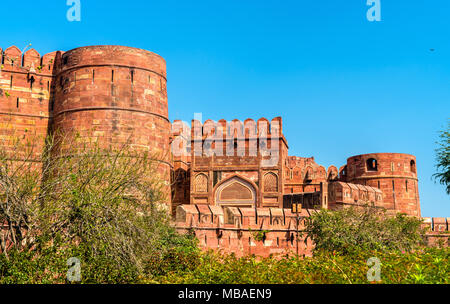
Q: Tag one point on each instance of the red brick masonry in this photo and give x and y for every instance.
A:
(242, 231)
(264, 231)
(223, 186)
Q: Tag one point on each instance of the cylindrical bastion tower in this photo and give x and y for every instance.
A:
(115, 94)
(393, 173)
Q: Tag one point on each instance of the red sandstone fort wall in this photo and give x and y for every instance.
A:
(438, 230)
(265, 231)
(106, 94)
(303, 175)
(245, 231)
(343, 194)
(25, 97)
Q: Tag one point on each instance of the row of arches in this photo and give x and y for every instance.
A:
(14, 57)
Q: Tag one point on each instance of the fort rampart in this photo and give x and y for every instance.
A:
(232, 182)
(266, 231)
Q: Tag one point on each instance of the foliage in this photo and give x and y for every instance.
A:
(423, 266)
(258, 235)
(443, 159)
(20, 192)
(77, 199)
(363, 228)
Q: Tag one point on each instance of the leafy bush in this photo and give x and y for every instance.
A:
(103, 206)
(429, 266)
(363, 228)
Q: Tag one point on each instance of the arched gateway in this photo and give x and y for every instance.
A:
(235, 192)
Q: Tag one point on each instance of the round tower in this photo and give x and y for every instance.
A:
(115, 94)
(395, 174)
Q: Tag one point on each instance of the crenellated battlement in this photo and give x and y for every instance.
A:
(265, 231)
(437, 224)
(438, 230)
(26, 88)
(29, 62)
(260, 231)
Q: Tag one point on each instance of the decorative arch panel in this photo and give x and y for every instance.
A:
(235, 192)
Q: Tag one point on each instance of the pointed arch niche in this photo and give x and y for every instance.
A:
(235, 192)
(201, 183)
(270, 182)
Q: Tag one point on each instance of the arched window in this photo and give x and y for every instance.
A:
(343, 171)
(372, 164)
(235, 192)
(309, 175)
(413, 166)
(201, 183)
(332, 173)
(271, 182)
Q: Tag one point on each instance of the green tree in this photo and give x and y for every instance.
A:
(363, 228)
(443, 159)
(105, 206)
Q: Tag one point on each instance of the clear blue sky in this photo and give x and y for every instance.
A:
(343, 85)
